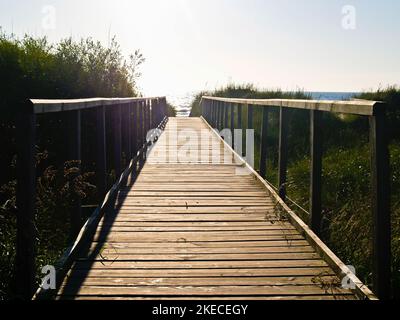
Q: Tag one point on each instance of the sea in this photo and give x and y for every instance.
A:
(182, 102)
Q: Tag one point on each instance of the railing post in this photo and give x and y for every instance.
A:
(283, 151)
(141, 129)
(26, 198)
(127, 133)
(101, 161)
(226, 116)
(232, 110)
(249, 116)
(208, 109)
(316, 170)
(221, 115)
(214, 114)
(116, 109)
(263, 147)
(380, 205)
(135, 128)
(249, 127)
(153, 113)
(130, 130)
(74, 144)
(218, 114)
(216, 107)
(240, 127)
(150, 114)
(146, 120)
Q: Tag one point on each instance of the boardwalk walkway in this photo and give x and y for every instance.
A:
(198, 229)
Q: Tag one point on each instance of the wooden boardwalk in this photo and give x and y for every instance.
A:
(196, 227)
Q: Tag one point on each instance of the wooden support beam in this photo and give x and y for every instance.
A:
(249, 127)
(126, 135)
(232, 125)
(263, 146)
(101, 159)
(74, 154)
(209, 115)
(250, 117)
(380, 206)
(219, 112)
(141, 129)
(116, 128)
(316, 171)
(226, 116)
(135, 128)
(283, 151)
(26, 199)
(214, 111)
(130, 132)
(240, 127)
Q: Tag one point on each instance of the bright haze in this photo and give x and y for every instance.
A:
(191, 45)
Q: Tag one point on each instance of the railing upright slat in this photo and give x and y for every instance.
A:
(380, 179)
(316, 170)
(101, 158)
(283, 151)
(263, 143)
(226, 115)
(26, 199)
(232, 125)
(74, 154)
(116, 128)
(240, 127)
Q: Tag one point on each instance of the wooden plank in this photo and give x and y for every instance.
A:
(116, 249)
(198, 264)
(203, 281)
(190, 273)
(204, 291)
(120, 227)
(117, 256)
(336, 297)
(202, 225)
(207, 244)
(192, 217)
(189, 238)
(194, 193)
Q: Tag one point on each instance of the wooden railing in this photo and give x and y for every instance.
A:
(220, 113)
(131, 118)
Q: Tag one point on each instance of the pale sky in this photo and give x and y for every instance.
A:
(192, 45)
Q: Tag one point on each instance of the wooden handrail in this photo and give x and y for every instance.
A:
(215, 110)
(61, 105)
(131, 118)
(357, 107)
